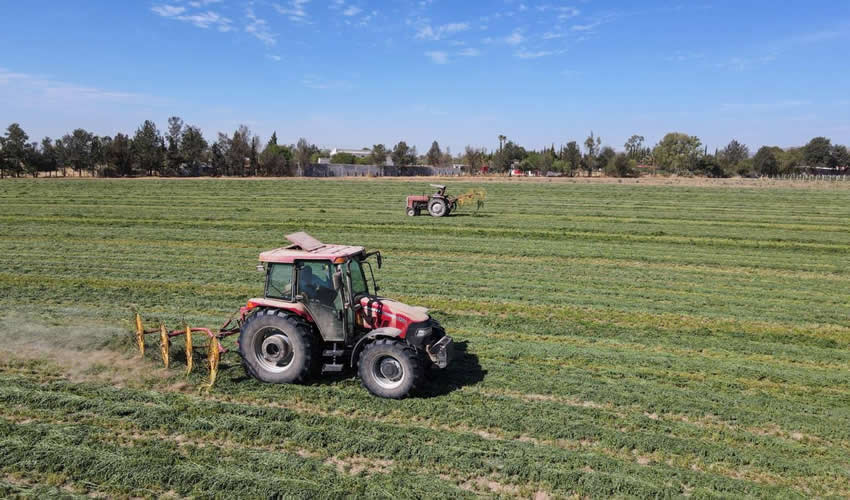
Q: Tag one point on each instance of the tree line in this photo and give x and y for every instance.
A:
(182, 150)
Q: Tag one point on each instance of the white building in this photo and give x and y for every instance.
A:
(358, 153)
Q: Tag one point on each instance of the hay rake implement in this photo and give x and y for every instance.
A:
(213, 348)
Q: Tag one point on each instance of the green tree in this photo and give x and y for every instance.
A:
(621, 165)
(474, 158)
(765, 162)
(240, 151)
(379, 155)
(841, 156)
(193, 146)
(607, 155)
(303, 152)
(49, 156)
(403, 155)
(120, 154)
(634, 147)
(678, 153)
(174, 138)
(592, 146)
(547, 163)
(732, 155)
(218, 157)
(78, 150)
(14, 150)
(818, 153)
(276, 159)
(572, 155)
(146, 148)
(435, 155)
(344, 159)
(502, 140)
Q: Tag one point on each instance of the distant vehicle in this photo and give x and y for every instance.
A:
(517, 173)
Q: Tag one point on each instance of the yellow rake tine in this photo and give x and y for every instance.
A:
(140, 335)
(213, 356)
(164, 343)
(188, 350)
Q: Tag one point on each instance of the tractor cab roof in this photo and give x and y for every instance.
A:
(438, 186)
(305, 246)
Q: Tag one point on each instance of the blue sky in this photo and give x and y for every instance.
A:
(352, 73)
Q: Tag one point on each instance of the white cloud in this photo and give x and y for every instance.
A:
(203, 3)
(438, 57)
(259, 29)
(565, 13)
(586, 27)
(469, 52)
(295, 10)
(514, 38)
(23, 88)
(562, 12)
(745, 63)
(273, 57)
(526, 54)
(549, 35)
(168, 10)
(201, 19)
(351, 11)
(426, 32)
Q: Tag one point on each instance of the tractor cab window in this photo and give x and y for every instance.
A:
(279, 281)
(315, 281)
(358, 279)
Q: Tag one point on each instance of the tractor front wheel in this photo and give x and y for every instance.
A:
(438, 207)
(277, 347)
(389, 369)
(411, 212)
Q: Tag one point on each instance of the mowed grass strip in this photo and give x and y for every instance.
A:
(617, 340)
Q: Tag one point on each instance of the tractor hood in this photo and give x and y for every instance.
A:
(379, 312)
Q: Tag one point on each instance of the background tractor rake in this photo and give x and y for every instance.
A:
(213, 349)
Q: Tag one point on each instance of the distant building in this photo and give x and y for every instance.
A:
(360, 153)
(357, 153)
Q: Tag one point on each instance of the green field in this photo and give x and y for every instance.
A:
(626, 340)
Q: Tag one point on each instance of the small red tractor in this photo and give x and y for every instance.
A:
(320, 313)
(439, 204)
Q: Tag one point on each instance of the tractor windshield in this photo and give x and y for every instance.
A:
(359, 286)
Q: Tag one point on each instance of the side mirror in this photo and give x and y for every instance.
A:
(380, 260)
(337, 280)
(261, 268)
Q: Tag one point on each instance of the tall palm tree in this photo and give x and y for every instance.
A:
(502, 139)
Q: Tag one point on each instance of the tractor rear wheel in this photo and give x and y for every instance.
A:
(437, 207)
(277, 347)
(389, 369)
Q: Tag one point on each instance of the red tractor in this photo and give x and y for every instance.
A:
(321, 313)
(437, 204)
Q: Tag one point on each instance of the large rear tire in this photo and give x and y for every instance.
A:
(277, 347)
(389, 369)
(438, 207)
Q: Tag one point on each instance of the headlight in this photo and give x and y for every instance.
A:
(421, 333)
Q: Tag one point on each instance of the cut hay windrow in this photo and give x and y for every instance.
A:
(614, 340)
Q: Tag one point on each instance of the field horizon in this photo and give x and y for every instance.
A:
(658, 337)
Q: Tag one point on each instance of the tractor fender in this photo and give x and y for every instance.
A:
(387, 332)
